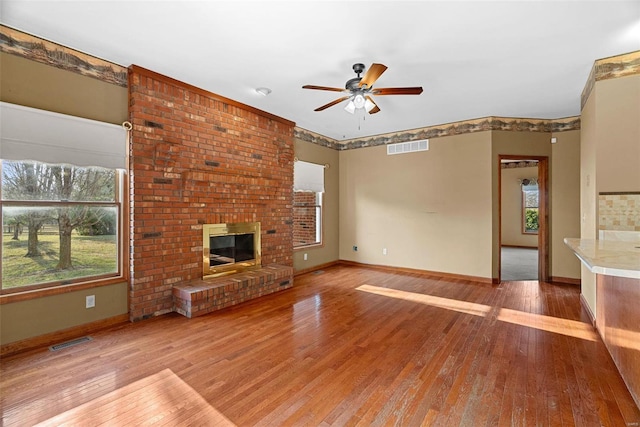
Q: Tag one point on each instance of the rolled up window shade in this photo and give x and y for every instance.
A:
(32, 134)
(308, 177)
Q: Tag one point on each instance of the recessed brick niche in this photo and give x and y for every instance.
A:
(198, 158)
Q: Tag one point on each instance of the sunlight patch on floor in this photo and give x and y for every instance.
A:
(557, 325)
(572, 328)
(448, 303)
(162, 398)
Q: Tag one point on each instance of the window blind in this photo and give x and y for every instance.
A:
(308, 177)
(32, 134)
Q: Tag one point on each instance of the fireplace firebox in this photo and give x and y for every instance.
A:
(230, 248)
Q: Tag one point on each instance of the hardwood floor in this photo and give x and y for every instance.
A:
(349, 346)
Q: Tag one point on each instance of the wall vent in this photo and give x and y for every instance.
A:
(408, 147)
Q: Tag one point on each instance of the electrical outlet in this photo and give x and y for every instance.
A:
(355, 248)
(384, 251)
(90, 301)
(304, 257)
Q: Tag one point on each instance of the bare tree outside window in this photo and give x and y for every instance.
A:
(73, 183)
(71, 215)
(27, 181)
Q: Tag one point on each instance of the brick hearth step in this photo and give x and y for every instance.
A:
(202, 296)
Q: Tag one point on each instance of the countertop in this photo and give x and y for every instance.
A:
(610, 257)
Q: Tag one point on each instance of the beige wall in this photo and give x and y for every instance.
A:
(588, 193)
(37, 85)
(511, 205)
(609, 154)
(565, 203)
(328, 252)
(32, 84)
(618, 134)
(30, 318)
(431, 210)
(438, 210)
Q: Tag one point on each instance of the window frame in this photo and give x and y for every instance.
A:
(37, 290)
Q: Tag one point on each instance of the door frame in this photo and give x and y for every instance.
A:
(543, 213)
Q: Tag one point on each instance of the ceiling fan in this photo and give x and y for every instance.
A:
(360, 89)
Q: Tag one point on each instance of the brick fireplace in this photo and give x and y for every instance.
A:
(198, 158)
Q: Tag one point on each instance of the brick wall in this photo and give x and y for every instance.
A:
(198, 158)
(304, 218)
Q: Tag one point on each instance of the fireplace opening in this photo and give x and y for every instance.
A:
(230, 248)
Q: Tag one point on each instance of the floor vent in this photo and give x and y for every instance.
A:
(318, 272)
(68, 344)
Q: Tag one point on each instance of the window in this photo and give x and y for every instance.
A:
(61, 224)
(529, 207)
(307, 218)
(308, 185)
(62, 187)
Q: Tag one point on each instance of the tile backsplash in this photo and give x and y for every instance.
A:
(619, 211)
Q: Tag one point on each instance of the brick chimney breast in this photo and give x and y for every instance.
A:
(205, 159)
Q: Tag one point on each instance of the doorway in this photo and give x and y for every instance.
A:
(518, 263)
(523, 210)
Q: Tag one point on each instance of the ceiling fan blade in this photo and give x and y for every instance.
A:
(398, 91)
(332, 103)
(333, 89)
(372, 75)
(375, 109)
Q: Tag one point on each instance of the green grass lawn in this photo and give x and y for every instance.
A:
(90, 256)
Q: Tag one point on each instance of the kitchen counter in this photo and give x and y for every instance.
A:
(608, 257)
(617, 317)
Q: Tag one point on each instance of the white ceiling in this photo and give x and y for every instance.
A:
(473, 59)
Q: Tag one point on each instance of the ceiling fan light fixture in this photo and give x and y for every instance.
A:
(368, 105)
(359, 101)
(351, 107)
